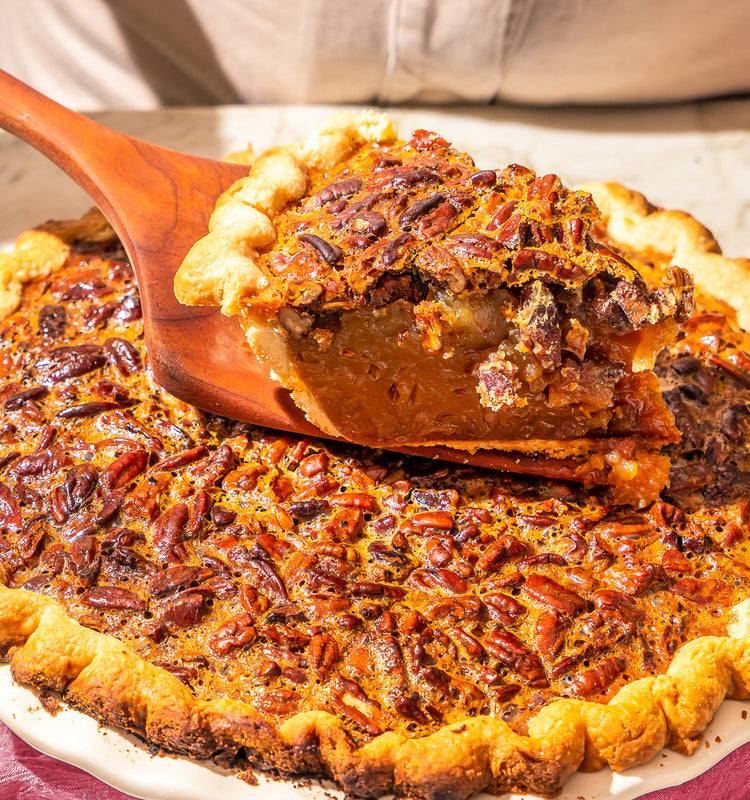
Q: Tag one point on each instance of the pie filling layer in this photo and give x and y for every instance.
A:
(406, 298)
(404, 599)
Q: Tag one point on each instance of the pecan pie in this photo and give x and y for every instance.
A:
(406, 298)
(329, 611)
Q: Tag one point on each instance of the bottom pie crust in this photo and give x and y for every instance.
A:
(102, 677)
(95, 673)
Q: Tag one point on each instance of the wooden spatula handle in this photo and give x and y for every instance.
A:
(82, 148)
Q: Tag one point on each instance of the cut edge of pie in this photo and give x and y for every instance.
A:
(369, 365)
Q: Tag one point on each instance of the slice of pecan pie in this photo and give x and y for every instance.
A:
(406, 298)
(328, 611)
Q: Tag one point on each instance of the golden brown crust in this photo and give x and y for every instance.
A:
(42, 251)
(99, 675)
(223, 268)
(634, 222)
(103, 677)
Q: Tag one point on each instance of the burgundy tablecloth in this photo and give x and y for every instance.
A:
(26, 774)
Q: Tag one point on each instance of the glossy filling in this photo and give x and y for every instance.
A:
(396, 594)
(411, 299)
(368, 375)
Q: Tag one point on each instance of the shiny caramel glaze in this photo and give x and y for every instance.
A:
(410, 218)
(396, 594)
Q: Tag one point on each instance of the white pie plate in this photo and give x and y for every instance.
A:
(125, 763)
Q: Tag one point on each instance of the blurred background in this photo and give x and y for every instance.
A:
(142, 54)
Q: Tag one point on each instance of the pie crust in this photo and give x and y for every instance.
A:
(49, 638)
(631, 219)
(97, 675)
(405, 298)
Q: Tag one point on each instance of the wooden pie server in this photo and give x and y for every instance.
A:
(159, 201)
